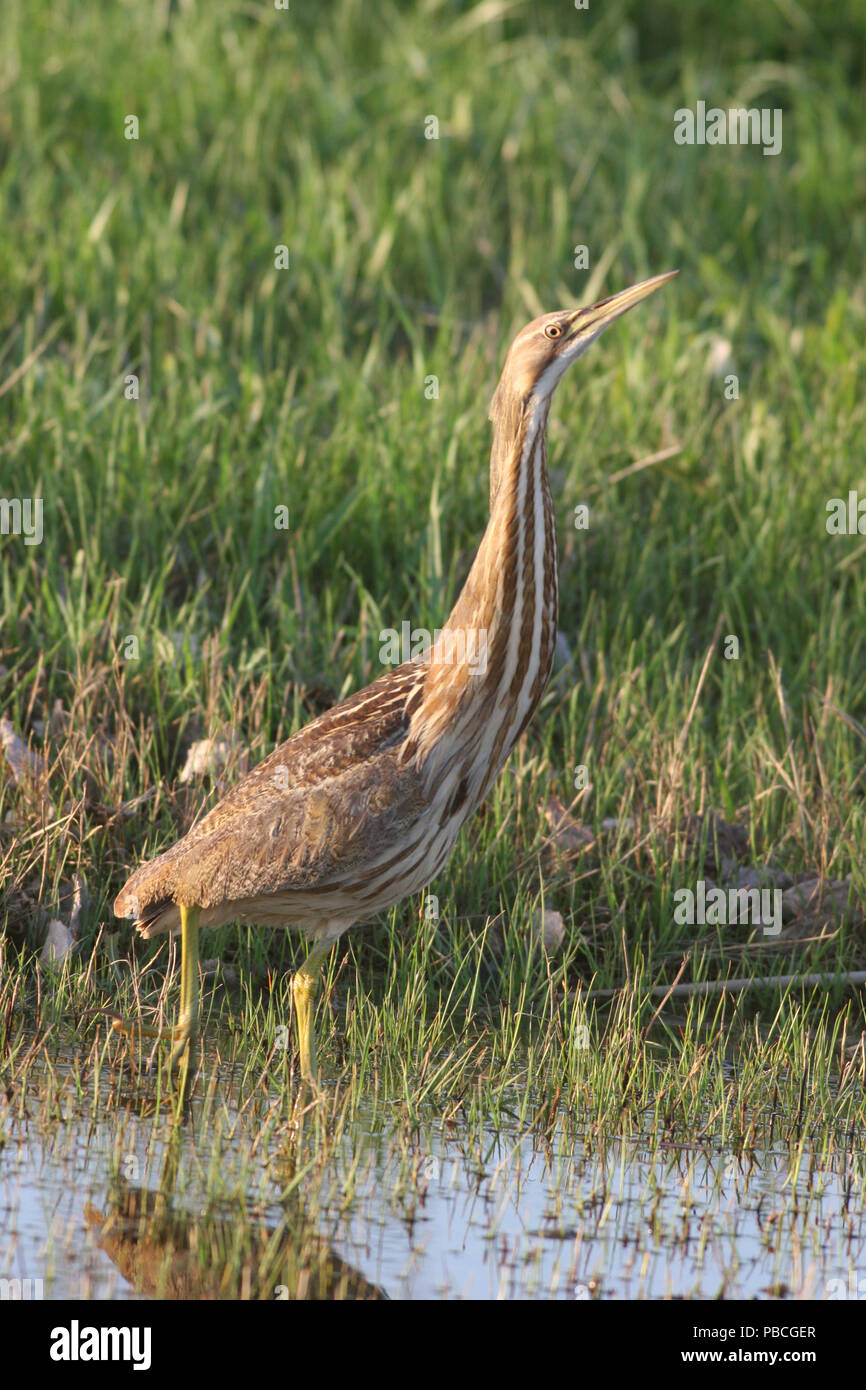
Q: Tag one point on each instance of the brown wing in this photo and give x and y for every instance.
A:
(323, 801)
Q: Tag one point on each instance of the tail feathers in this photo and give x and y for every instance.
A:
(147, 922)
(147, 897)
(146, 917)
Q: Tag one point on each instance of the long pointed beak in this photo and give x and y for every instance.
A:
(596, 317)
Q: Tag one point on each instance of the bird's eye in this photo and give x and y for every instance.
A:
(552, 330)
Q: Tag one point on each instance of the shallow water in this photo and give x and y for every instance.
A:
(428, 1211)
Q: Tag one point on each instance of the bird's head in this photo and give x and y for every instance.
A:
(544, 350)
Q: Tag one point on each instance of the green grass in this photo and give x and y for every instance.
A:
(305, 388)
(639, 1139)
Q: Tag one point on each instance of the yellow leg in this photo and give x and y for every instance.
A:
(305, 986)
(185, 1034)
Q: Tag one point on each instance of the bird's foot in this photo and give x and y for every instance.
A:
(183, 1035)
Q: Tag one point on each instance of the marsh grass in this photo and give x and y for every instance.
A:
(731, 1143)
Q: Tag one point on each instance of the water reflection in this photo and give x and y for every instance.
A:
(222, 1251)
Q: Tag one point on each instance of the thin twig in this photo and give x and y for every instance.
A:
(24, 367)
(848, 977)
(643, 463)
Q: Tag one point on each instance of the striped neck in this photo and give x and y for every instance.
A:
(507, 610)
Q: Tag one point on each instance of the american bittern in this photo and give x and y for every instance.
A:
(362, 806)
